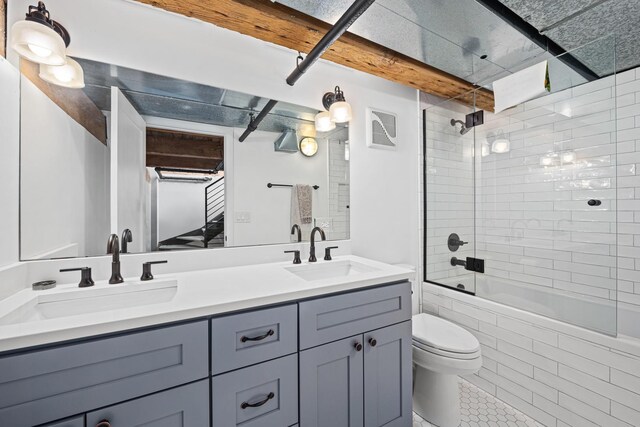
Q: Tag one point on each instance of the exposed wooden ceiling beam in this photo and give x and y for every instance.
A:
(295, 30)
(168, 148)
(3, 27)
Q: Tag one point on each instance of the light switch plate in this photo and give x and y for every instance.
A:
(243, 217)
(325, 223)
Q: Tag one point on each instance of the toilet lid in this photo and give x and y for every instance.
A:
(442, 334)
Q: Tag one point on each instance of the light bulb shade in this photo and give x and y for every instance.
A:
(501, 146)
(308, 146)
(340, 112)
(568, 157)
(38, 43)
(68, 75)
(323, 122)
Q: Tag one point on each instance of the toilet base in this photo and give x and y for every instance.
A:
(436, 397)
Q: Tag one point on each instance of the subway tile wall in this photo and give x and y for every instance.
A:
(533, 225)
(338, 189)
(559, 374)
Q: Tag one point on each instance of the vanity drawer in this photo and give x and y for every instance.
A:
(69, 422)
(248, 338)
(186, 406)
(47, 385)
(271, 387)
(329, 319)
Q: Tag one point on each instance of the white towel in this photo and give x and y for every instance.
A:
(521, 86)
(301, 204)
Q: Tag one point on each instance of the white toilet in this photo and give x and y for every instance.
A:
(441, 352)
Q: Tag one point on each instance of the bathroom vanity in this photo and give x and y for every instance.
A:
(332, 351)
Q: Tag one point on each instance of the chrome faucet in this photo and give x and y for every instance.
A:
(127, 237)
(312, 251)
(113, 247)
(293, 230)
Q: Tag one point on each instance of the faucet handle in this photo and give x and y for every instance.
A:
(146, 269)
(327, 252)
(296, 256)
(85, 276)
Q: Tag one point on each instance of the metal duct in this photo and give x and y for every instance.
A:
(287, 142)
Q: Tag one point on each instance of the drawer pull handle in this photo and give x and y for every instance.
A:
(357, 346)
(373, 342)
(103, 423)
(258, 338)
(246, 405)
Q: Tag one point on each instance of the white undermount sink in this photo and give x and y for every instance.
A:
(71, 301)
(330, 270)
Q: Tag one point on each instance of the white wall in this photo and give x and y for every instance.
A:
(64, 197)
(180, 207)
(9, 162)
(380, 180)
(252, 165)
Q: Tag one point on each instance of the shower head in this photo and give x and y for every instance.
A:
(464, 129)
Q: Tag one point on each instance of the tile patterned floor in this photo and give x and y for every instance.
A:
(480, 409)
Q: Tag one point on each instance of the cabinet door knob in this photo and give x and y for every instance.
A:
(357, 346)
(103, 423)
(373, 342)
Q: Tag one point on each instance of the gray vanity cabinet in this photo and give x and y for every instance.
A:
(186, 406)
(363, 380)
(331, 379)
(45, 385)
(388, 376)
(69, 422)
(263, 395)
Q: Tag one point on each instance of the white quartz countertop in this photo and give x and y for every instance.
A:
(199, 293)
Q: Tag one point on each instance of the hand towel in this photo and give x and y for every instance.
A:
(521, 86)
(301, 204)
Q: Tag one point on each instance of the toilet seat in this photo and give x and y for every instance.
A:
(451, 354)
(444, 338)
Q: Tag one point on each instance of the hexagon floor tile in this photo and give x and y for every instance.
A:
(480, 409)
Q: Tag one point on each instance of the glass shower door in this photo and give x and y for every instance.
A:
(545, 182)
(449, 208)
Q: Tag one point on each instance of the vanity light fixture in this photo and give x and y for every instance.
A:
(568, 157)
(339, 108)
(323, 122)
(39, 38)
(501, 144)
(68, 75)
(308, 146)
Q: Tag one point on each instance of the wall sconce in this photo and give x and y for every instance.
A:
(568, 157)
(339, 110)
(44, 41)
(39, 38)
(501, 144)
(338, 107)
(68, 75)
(308, 146)
(323, 122)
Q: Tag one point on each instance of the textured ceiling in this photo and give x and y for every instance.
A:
(449, 35)
(454, 35)
(165, 97)
(573, 23)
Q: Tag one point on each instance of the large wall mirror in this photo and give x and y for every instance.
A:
(173, 175)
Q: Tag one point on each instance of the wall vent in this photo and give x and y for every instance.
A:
(381, 129)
